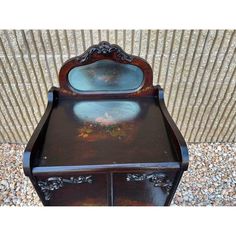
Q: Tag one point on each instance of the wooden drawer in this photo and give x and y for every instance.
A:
(142, 188)
(76, 190)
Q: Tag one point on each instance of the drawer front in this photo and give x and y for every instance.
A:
(76, 190)
(142, 188)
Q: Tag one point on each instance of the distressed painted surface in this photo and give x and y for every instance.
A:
(196, 68)
(106, 119)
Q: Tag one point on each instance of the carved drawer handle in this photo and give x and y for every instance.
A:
(158, 180)
(53, 183)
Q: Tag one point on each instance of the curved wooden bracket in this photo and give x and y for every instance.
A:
(32, 146)
(177, 138)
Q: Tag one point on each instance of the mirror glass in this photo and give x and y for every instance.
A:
(105, 75)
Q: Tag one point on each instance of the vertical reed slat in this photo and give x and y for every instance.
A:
(21, 77)
(181, 73)
(45, 58)
(59, 46)
(49, 37)
(202, 98)
(11, 119)
(175, 66)
(75, 43)
(224, 96)
(33, 69)
(15, 81)
(194, 81)
(216, 80)
(188, 76)
(169, 59)
(14, 96)
(27, 74)
(162, 54)
(155, 48)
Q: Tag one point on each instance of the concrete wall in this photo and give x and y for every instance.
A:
(195, 68)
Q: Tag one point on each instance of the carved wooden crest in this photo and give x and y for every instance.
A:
(106, 49)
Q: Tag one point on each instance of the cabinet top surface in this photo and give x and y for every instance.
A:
(111, 131)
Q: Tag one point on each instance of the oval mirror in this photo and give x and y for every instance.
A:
(106, 75)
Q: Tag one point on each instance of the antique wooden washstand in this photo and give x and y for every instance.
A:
(106, 137)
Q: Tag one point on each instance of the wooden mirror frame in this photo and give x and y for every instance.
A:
(102, 51)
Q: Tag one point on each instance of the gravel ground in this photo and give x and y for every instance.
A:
(209, 181)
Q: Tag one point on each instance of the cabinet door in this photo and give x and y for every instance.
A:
(143, 188)
(76, 190)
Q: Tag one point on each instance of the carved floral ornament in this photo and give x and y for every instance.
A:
(54, 183)
(105, 48)
(51, 184)
(158, 179)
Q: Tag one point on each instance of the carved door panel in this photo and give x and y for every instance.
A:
(80, 190)
(143, 188)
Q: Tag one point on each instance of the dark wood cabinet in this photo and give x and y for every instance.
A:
(106, 137)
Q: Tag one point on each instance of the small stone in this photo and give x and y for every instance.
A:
(1, 200)
(211, 190)
(179, 199)
(186, 198)
(4, 183)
